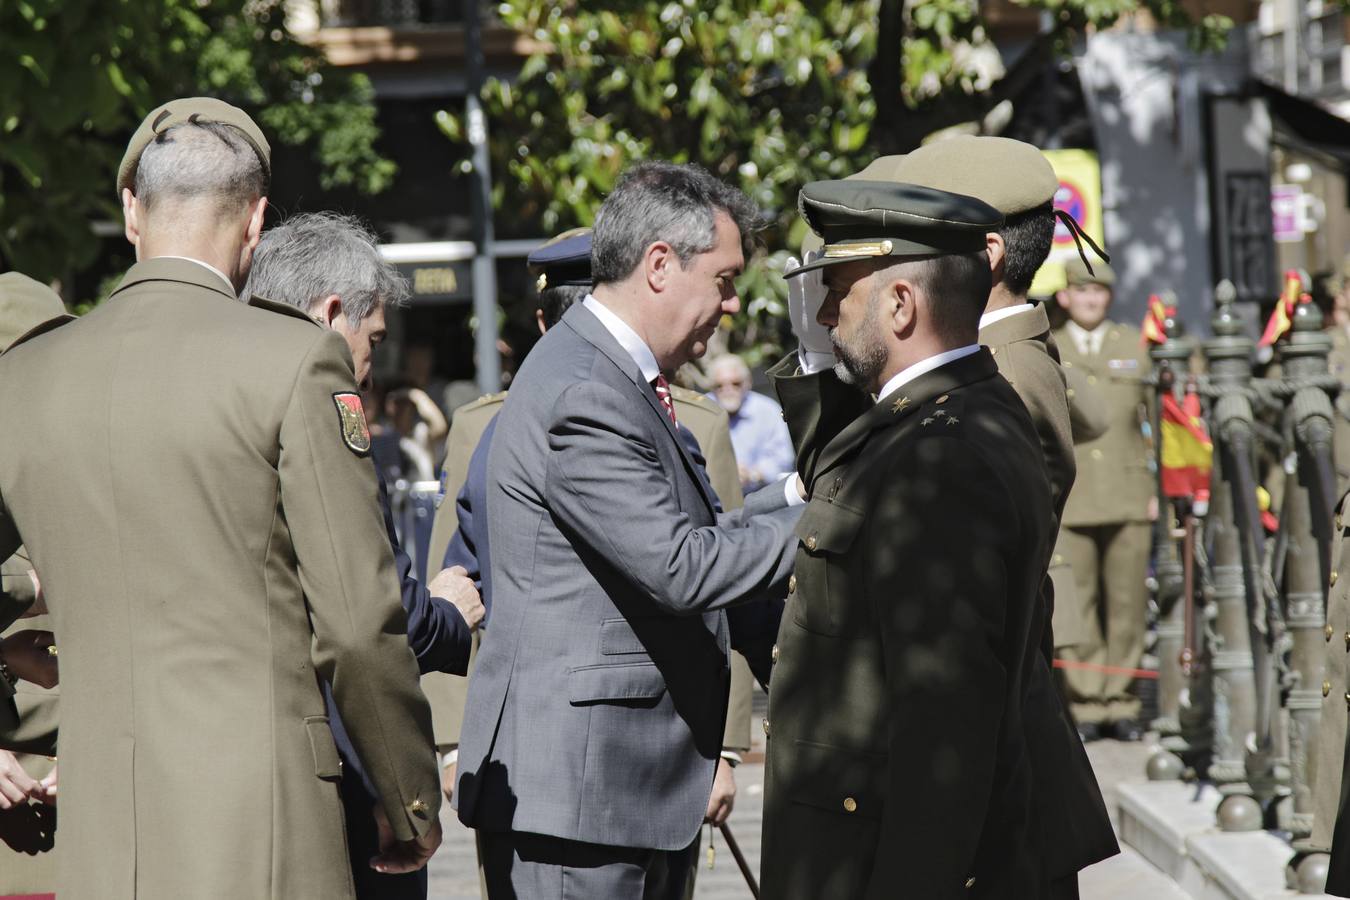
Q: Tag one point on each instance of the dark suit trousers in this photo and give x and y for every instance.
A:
(521, 866)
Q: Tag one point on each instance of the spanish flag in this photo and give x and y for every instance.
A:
(1282, 319)
(1154, 329)
(1187, 452)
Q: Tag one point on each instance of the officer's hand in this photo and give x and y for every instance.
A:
(806, 294)
(28, 655)
(46, 791)
(15, 784)
(453, 584)
(723, 794)
(397, 857)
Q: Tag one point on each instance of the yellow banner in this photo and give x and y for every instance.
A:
(1080, 195)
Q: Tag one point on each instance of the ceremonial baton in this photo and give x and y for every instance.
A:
(740, 860)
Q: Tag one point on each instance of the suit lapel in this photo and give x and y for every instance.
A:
(585, 324)
(904, 402)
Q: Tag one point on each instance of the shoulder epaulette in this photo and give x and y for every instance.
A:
(41, 328)
(485, 400)
(284, 308)
(688, 396)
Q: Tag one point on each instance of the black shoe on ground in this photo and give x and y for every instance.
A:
(1127, 730)
(1089, 732)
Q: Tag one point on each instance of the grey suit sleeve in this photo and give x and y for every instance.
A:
(767, 499)
(607, 487)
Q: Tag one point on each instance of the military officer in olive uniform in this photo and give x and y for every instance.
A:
(1016, 179)
(1106, 533)
(27, 830)
(190, 476)
(897, 752)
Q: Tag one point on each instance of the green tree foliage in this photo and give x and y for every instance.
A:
(77, 76)
(767, 94)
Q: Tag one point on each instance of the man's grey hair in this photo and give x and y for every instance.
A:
(200, 162)
(733, 362)
(660, 201)
(314, 255)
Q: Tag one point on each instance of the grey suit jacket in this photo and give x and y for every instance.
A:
(596, 709)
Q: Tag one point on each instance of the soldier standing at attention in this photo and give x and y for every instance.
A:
(898, 754)
(189, 474)
(1105, 535)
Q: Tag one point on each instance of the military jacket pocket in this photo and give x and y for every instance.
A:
(821, 592)
(327, 764)
(849, 783)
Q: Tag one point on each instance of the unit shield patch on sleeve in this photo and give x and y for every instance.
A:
(353, 421)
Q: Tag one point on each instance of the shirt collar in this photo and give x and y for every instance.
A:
(628, 338)
(228, 284)
(999, 315)
(1087, 341)
(905, 376)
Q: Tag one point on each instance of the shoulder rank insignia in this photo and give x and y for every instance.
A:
(352, 419)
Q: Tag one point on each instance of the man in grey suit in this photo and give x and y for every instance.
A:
(594, 719)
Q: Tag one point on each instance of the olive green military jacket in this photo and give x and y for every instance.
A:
(897, 751)
(1114, 481)
(704, 419)
(190, 481)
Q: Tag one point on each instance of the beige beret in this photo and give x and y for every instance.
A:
(25, 304)
(1076, 273)
(883, 168)
(191, 109)
(1011, 176)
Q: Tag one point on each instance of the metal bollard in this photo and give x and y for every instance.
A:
(1233, 673)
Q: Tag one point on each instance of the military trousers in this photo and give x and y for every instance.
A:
(1110, 563)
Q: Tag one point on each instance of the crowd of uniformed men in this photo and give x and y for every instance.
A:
(240, 634)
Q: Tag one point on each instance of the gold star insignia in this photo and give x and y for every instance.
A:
(900, 404)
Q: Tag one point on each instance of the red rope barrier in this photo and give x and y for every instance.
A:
(1150, 674)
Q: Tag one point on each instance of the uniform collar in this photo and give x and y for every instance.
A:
(923, 366)
(228, 284)
(999, 315)
(177, 269)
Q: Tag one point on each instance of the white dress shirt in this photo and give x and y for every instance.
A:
(637, 348)
(1089, 343)
(905, 376)
(999, 315)
(229, 285)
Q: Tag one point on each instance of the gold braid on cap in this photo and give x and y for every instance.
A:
(541, 282)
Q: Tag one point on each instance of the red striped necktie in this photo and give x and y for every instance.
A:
(662, 388)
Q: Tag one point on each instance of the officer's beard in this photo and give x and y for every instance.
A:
(861, 359)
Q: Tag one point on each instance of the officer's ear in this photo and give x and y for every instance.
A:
(998, 253)
(328, 310)
(898, 301)
(253, 232)
(131, 215)
(656, 265)
(1062, 298)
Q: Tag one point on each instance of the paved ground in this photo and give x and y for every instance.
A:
(1126, 877)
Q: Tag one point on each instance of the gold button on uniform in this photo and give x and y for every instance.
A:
(1096, 453)
(970, 882)
(811, 542)
(792, 584)
(766, 726)
(1334, 575)
(1092, 379)
(773, 654)
(850, 805)
(1326, 688)
(942, 399)
(1328, 631)
(419, 808)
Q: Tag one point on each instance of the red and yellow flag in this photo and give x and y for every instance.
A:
(1187, 452)
(1154, 329)
(1282, 319)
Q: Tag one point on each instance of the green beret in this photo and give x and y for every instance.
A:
(191, 109)
(1009, 175)
(859, 219)
(25, 304)
(1076, 272)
